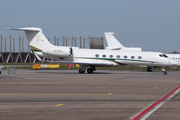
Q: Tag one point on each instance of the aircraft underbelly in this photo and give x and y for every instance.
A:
(95, 62)
(130, 62)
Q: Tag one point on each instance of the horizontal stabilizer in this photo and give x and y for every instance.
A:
(25, 29)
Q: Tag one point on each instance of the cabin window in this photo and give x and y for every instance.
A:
(125, 57)
(97, 55)
(140, 57)
(103, 56)
(132, 57)
(118, 56)
(111, 56)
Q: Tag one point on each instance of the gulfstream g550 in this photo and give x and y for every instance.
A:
(92, 57)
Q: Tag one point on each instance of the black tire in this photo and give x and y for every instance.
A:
(81, 71)
(164, 72)
(149, 69)
(89, 70)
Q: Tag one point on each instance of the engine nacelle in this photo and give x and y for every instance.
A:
(59, 51)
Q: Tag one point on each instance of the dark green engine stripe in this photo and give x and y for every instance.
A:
(36, 50)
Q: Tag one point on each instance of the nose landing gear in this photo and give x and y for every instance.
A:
(164, 71)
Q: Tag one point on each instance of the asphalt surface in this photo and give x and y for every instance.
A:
(103, 95)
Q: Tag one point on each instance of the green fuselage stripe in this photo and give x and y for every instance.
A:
(114, 60)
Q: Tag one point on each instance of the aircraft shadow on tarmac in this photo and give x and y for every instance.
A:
(96, 72)
(77, 73)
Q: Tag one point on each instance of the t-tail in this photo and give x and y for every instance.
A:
(37, 40)
(114, 44)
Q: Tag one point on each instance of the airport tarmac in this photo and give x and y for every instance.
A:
(103, 95)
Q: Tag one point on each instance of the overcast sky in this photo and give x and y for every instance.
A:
(153, 25)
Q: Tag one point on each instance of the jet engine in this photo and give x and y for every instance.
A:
(60, 52)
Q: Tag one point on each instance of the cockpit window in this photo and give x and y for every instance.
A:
(163, 55)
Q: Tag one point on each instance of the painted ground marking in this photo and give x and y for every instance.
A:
(177, 89)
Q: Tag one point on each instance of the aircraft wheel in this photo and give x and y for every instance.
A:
(164, 72)
(81, 71)
(149, 69)
(89, 70)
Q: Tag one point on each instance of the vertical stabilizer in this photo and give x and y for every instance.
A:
(36, 39)
(112, 42)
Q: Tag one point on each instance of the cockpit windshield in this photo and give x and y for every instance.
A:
(163, 55)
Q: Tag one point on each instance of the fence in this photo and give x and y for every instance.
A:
(15, 50)
(9, 44)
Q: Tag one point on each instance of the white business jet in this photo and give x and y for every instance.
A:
(114, 44)
(92, 57)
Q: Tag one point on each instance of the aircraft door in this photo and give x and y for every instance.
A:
(70, 51)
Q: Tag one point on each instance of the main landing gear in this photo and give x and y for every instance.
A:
(149, 69)
(89, 70)
(81, 71)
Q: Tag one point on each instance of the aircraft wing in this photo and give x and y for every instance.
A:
(80, 63)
